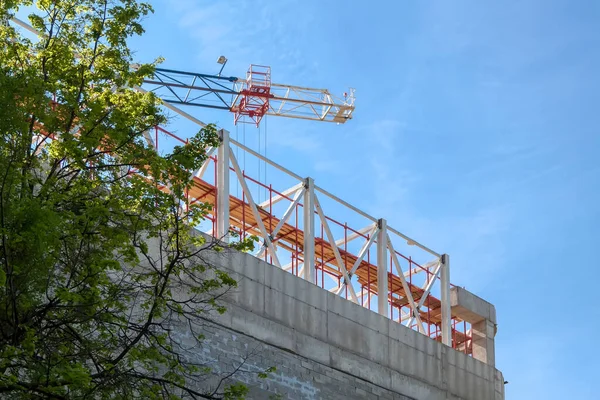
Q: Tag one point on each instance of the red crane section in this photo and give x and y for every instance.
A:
(253, 100)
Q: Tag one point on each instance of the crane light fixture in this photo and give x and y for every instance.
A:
(221, 60)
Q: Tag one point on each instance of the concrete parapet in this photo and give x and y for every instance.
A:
(284, 311)
(482, 317)
(469, 307)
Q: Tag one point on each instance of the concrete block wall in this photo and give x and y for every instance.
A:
(296, 377)
(327, 347)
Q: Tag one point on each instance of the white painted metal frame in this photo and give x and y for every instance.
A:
(305, 103)
(261, 226)
(336, 251)
(363, 251)
(355, 235)
(308, 103)
(222, 211)
(334, 110)
(277, 198)
(378, 232)
(309, 230)
(427, 290)
(446, 309)
(286, 216)
(199, 173)
(414, 311)
(382, 270)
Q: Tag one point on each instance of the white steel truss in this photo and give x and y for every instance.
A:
(414, 311)
(360, 233)
(265, 236)
(377, 232)
(336, 251)
(320, 105)
(286, 216)
(309, 103)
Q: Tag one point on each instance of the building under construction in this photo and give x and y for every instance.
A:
(343, 304)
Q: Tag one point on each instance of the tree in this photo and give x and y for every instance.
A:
(98, 260)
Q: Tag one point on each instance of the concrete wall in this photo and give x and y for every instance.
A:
(482, 317)
(326, 347)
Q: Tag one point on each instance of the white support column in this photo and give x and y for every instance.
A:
(223, 187)
(446, 310)
(309, 229)
(382, 269)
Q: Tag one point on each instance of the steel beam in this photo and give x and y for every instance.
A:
(382, 268)
(284, 219)
(445, 291)
(354, 235)
(336, 252)
(268, 241)
(309, 229)
(223, 186)
(284, 195)
(363, 251)
(199, 173)
(414, 311)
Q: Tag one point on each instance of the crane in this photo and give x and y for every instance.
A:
(250, 98)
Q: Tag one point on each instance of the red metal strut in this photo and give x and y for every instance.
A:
(254, 101)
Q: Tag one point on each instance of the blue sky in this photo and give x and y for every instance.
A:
(476, 131)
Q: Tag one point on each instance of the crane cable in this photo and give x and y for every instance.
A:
(259, 162)
(237, 157)
(266, 136)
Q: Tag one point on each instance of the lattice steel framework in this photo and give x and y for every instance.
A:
(251, 97)
(297, 235)
(338, 258)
